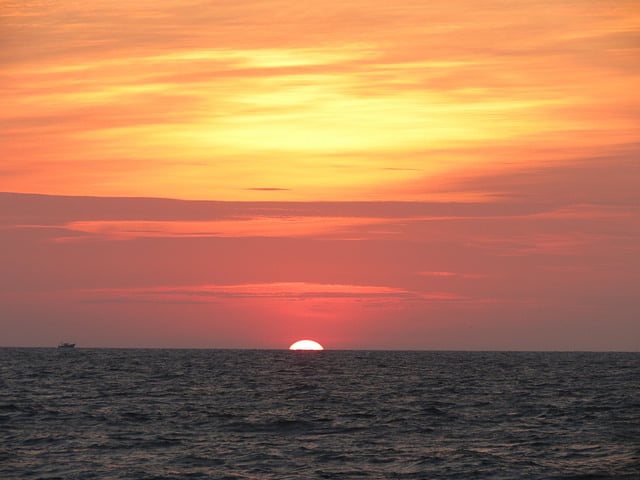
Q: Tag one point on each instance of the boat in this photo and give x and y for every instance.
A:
(66, 345)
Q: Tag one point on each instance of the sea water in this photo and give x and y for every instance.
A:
(233, 414)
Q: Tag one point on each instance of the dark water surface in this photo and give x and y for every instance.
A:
(174, 414)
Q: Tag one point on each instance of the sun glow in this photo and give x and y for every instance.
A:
(306, 345)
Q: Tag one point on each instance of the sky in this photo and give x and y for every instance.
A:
(368, 174)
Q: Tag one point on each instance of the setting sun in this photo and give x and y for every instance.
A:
(306, 345)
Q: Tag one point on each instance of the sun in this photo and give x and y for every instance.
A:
(306, 345)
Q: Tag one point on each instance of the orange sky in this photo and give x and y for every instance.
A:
(369, 174)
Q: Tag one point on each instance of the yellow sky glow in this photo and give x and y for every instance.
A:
(230, 115)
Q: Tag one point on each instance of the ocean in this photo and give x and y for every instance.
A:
(254, 414)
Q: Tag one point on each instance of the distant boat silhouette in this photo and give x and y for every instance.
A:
(66, 345)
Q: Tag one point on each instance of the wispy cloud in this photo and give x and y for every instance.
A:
(284, 226)
(314, 293)
(275, 290)
(446, 275)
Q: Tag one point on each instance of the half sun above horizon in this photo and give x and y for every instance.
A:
(306, 345)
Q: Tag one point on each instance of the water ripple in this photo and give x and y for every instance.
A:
(175, 414)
